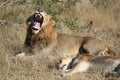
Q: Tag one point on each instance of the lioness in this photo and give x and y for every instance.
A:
(42, 35)
(83, 63)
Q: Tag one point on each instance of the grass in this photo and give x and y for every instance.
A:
(102, 3)
(12, 15)
(72, 24)
(69, 18)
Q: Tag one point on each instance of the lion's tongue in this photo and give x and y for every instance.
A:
(37, 25)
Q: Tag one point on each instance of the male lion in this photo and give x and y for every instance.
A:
(43, 38)
(84, 63)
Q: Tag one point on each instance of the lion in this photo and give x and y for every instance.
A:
(84, 63)
(42, 37)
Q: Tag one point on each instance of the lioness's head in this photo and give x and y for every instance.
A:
(64, 63)
(38, 20)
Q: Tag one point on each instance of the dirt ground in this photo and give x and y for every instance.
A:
(72, 17)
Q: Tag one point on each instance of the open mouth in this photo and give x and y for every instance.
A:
(38, 20)
(34, 29)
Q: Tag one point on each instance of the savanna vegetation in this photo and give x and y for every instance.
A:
(97, 18)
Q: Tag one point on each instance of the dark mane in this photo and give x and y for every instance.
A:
(44, 37)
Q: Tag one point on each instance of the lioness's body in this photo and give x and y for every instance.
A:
(84, 63)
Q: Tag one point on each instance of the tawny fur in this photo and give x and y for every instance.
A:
(62, 44)
(83, 63)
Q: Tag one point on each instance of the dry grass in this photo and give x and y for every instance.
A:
(106, 26)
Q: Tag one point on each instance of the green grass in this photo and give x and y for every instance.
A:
(13, 16)
(101, 3)
(72, 24)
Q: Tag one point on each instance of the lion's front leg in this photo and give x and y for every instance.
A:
(21, 54)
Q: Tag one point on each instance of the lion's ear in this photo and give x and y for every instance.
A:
(53, 22)
(51, 19)
(29, 20)
(28, 23)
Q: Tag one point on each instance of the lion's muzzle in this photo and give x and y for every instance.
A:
(37, 24)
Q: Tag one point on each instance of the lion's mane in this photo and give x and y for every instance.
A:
(45, 37)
